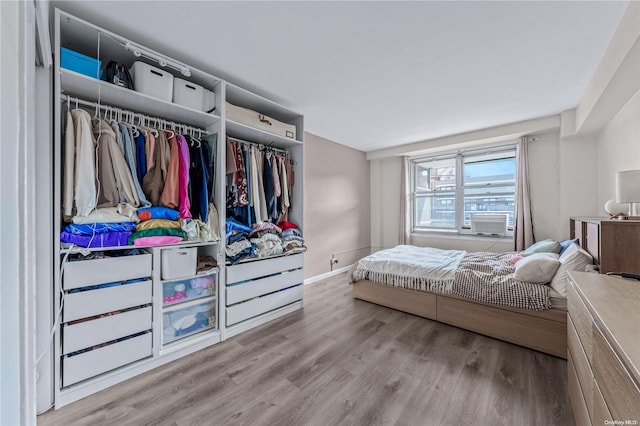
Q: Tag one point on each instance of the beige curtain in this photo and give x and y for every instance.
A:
(523, 233)
(405, 203)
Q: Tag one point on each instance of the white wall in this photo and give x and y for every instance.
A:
(336, 205)
(608, 115)
(385, 202)
(17, 227)
(618, 149)
(579, 177)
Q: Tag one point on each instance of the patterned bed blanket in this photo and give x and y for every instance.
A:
(483, 277)
(415, 268)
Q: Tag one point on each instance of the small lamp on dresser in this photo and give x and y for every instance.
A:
(628, 190)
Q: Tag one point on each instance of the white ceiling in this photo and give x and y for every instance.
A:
(372, 75)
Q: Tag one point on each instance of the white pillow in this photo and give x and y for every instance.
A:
(574, 258)
(537, 268)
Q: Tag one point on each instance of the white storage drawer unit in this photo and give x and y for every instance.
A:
(260, 121)
(252, 308)
(97, 361)
(83, 335)
(254, 288)
(261, 268)
(84, 304)
(84, 273)
(258, 287)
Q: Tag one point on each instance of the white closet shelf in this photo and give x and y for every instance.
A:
(242, 131)
(87, 88)
(181, 244)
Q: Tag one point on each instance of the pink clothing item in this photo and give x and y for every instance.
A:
(515, 259)
(183, 177)
(157, 241)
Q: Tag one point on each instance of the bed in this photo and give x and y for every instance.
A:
(473, 291)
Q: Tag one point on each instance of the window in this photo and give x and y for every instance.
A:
(448, 189)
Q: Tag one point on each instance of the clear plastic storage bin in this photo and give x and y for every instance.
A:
(186, 289)
(187, 319)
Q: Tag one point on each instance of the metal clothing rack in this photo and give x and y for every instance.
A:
(261, 146)
(134, 118)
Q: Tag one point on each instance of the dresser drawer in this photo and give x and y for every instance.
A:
(600, 413)
(97, 361)
(254, 288)
(83, 273)
(105, 329)
(84, 304)
(617, 386)
(578, 404)
(264, 304)
(581, 365)
(581, 320)
(262, 268)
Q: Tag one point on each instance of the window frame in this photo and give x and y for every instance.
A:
(459, 190)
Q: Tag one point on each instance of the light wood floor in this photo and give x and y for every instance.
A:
(340, 361)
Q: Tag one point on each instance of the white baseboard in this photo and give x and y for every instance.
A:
(327, 275)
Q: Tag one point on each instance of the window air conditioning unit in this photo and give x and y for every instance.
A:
(489, 224)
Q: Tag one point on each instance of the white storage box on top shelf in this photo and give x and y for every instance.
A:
(193, 95)
(260, 121)
(209, 104)
(152, 81)
(179, 262)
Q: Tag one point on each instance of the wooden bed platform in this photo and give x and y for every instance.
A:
(544, 331)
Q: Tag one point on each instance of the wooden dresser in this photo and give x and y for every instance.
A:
(614, 244)
(603, 339)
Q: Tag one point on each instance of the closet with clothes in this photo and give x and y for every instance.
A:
(264, 206)
(132, 184)
(177, 210)
(136, 209)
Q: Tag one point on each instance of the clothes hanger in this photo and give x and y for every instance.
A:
(132, 126)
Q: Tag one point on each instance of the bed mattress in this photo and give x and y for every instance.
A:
(557, 300)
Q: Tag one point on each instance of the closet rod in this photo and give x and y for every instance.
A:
(124, 115)
(259, 145)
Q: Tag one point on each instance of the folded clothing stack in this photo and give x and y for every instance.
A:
(158, 226)
(292, 241)
(266, 238)
(238, 245)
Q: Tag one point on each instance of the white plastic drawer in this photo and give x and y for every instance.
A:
(187, 319)
(83, 273)
(261, 268)
(178, 291)
(254, 288)
(261, 305)
(104, 329)
(89, 303)
(97, 361)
